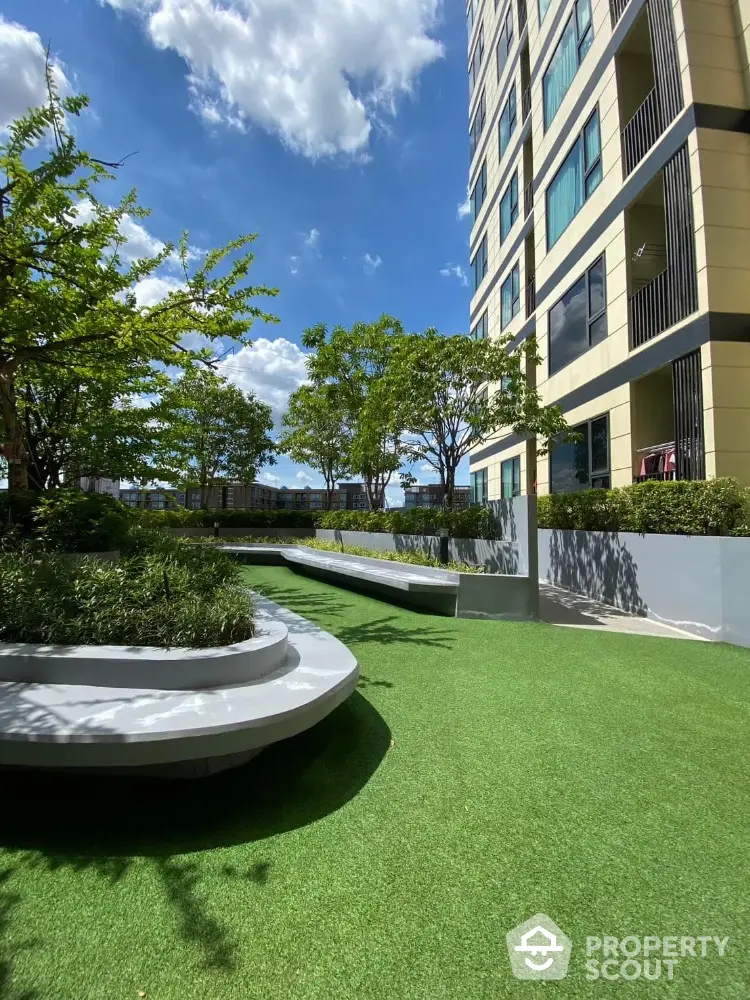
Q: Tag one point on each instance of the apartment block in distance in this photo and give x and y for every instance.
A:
(235, 496)
(610, 192)
(433, 495)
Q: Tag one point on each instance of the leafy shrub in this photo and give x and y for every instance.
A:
(228, 518)
(474, 522)
(17, 512)
(180, 597)
(700, 507)
(70, 520)
(414, 558)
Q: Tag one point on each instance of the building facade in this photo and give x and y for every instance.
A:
(156, 499)
(347, 496)
(610, 194)
(433, 495)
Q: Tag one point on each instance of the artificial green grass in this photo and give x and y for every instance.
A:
(483, 772)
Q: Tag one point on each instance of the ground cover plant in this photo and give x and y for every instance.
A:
(483, 772)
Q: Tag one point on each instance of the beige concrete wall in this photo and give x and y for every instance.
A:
(711, 54)
(726, 401)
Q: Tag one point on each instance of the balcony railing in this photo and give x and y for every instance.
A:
(528, 199)
(649, 310)
(641, 132)
(530, 296)
(521, 15)
(662, 477)
(616, 10)
(525, 102)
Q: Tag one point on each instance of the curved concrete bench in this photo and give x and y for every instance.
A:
(146, 666)
(446, 592)
(179, 732)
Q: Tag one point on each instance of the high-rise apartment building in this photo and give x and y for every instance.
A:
(610, 193)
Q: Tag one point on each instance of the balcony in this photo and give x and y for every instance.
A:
(649, 310)
(641, 132)
(617, 9)
(530, 296)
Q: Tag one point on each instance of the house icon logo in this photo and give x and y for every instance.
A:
(538, 949)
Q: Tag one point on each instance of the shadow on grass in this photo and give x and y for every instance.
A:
(392, 629)
(107, 823)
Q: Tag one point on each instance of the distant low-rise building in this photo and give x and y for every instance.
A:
(155, 499)
(433, 495)
(100, 484)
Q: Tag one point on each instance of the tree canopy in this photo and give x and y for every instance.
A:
(316, 433)
(67, 292)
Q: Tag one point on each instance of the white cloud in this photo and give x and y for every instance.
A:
(149, 291)
(464, 208)
(138, 240)
(22, 83)
(272, 369)
(319, 74)
(427, 468)
(293, 264)
(370, 264)
(312, 238)
(268, 477)
(455, 270)
(303, 477)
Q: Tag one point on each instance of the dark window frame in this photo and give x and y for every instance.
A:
(477, 58)
(480, 257)
(580, 39)
(479, 330)
(515, 302)
(505, 40)
(477, 125)
(480, 186)
(585, 174)
(593, 474)
(510, 192)
(480, 477)
(591, 319)
(515, 464)
(511, 106)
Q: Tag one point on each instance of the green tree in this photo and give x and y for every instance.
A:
(459, 391)
(355, 363)
(66, 295)
(210, 432)
(316, 433)
(94, 427)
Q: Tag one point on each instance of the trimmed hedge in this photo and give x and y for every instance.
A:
(474, 522)
(700, 507)
(228, 518)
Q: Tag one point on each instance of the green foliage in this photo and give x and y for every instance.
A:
(701, 507)
(457, 391)
(209, 432)
(179, 518)
(68, 293)
(353, 365)
(70, 520)
(18, 512)
(167, 595)
(473, 522)
(317, 433)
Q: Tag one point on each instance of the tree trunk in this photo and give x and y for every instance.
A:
(450, 483)
(14, 448)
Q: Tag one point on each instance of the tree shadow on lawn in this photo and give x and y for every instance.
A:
(107, 823)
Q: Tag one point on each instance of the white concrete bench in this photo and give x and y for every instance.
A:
(447, 592)
(189, 731)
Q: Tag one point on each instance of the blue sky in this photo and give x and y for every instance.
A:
(335, 129)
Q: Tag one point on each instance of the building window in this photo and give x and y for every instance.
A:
(582, 464)
(510, 478)
(543, 8)
(577, 178)
(505, 42)
(510, 297)
(478, 487)
(477, 126)
(479, 263)
(470, 11)
(509, 207)
(507, 122)
(479, 331)
(479, 192)
(476, 60)
(579, 319)
(569, 54)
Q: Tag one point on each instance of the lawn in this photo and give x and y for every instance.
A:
(483, 772)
